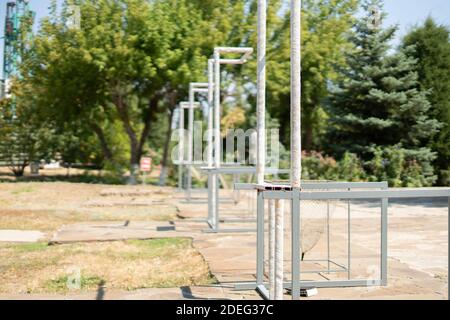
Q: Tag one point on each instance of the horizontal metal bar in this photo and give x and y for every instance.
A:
(223, 50)
(368, 194)
(322, 185)
(187, 105)
(236, 230)
(200, 90)
(199, 85)
(318, 284)
(238, 220)
(243, 170)
(244, 186)
(232, 61)
(324, 271)
(344, 185)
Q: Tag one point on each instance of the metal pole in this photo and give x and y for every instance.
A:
(260, 239)
(181, 151)
(211, 110)
(296, 244)
(349, 249)
(261, 95)
(296, 147)
(384, 241)
(328, 236)
(190, 142)
(279, 250)
(448, 248)
(272, 249)
(217, 111)
(211, 177)
(217, 144)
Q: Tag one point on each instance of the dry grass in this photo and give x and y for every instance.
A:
(38, 268)
(48, 206)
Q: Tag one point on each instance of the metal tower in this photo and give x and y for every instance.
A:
(16, 11)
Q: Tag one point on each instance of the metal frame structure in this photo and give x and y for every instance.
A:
(298, 191)
(181, 152)
(295, 196)
(194, 87)
(214, 168)
(214, 217)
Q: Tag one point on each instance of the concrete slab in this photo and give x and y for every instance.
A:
(90, 232)
(20, 236)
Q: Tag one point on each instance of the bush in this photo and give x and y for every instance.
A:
(315, 166)
(399, 168)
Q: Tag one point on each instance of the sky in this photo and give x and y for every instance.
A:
(405, 13)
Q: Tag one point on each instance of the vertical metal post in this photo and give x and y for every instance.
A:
(448, 248)
(211, 177)
(295, 243)
(217, 140)
(279, 250)
(349, 252)
(217, 111)
(261, 91)
(272, 248)
(190, 141)
(384, 241)
(296, 144)
(181, 144)
(216, 201)
(210, 200)
(210, 111)
(328, 237)
(260, 239)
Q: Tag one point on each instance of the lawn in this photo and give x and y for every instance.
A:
(81, 267)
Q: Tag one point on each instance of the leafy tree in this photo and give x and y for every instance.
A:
(432, 51)
(324, 28)
(378, 101)
(23, 137)
(128, 62)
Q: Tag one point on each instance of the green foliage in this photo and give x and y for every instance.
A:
(23, 138)
(378, 102)
(315, 166)
(432, 51)
(399, 168)
(324, 26)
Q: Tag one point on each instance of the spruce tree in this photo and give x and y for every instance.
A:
(378, 102)
(432, 50)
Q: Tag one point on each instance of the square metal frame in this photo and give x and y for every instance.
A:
(295, 196)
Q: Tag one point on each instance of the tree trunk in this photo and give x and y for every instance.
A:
(164, 166)
(107, 153)
(134, 144)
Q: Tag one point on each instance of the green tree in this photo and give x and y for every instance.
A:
(432, 51)
(324, 28)
(378, 101)
(23, 137)
(128, 62)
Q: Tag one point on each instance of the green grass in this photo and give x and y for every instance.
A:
(128, 265)
(29, 247)
(23, 190)
(158, 247)
(158, 244)
(61, 284)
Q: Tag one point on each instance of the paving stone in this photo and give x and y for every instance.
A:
(20, 236)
